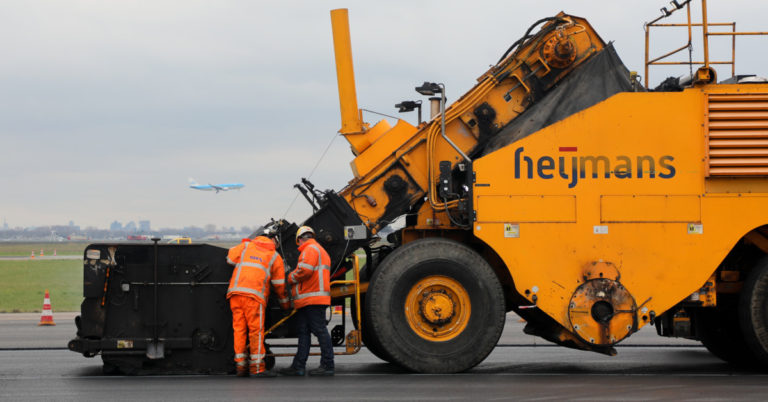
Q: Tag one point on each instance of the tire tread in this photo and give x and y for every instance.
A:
(412, 254)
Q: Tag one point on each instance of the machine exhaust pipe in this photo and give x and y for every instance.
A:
(434, 106)
(351, 119)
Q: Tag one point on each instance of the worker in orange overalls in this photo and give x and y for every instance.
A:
(257, 265)
(311, 296)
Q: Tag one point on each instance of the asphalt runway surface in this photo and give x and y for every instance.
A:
(35, 365)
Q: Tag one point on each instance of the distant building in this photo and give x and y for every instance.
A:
(144, 226)
(5, 224)
(116, 226)
(130, 227)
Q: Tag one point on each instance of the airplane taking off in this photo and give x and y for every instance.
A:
(217, 187)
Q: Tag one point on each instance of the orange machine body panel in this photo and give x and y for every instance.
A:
(625, 182)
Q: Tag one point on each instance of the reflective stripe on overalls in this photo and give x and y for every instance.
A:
(258, 358)
(240, 359)
(267, 270)
(280, 282)
(320, 283)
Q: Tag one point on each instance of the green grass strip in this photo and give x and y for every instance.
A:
(23, 285)
(17, 249)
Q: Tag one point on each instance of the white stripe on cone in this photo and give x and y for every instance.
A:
(46, 318)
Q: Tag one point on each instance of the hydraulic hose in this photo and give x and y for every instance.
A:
(525, 37)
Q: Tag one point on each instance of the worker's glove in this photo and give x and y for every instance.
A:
(285, 306)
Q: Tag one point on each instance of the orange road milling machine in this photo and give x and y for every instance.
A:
(558, 187)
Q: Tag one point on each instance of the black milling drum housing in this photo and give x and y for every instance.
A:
(153, 308)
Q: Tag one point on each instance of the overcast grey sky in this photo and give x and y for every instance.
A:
(106, 107)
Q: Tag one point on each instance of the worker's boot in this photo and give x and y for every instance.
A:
(321, 371)
(290, 371)
(241, 365)
(265, 374)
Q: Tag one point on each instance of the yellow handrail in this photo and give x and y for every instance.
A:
(705, 25)
(356, 282)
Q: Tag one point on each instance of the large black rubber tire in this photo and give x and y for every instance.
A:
(394, 279)
(719, 331)
(370, 341)
(753, 313)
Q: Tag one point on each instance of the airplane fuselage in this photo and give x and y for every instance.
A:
(217, 187)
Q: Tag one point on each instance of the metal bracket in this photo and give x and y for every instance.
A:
(156, 350)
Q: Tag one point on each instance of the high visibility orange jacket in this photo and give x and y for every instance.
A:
(311, 278)
(257, 265)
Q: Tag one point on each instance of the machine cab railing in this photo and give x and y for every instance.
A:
(705, 73)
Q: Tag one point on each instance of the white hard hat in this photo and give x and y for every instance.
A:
(271, 231)
(302, 231)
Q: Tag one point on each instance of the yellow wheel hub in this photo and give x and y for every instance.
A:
(437, 308)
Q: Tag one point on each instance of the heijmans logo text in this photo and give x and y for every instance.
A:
(573, 168)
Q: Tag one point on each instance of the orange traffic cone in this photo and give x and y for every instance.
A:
(54, 252)
(47, 317)
(41, 253)
(337, 310)
(32, 256)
